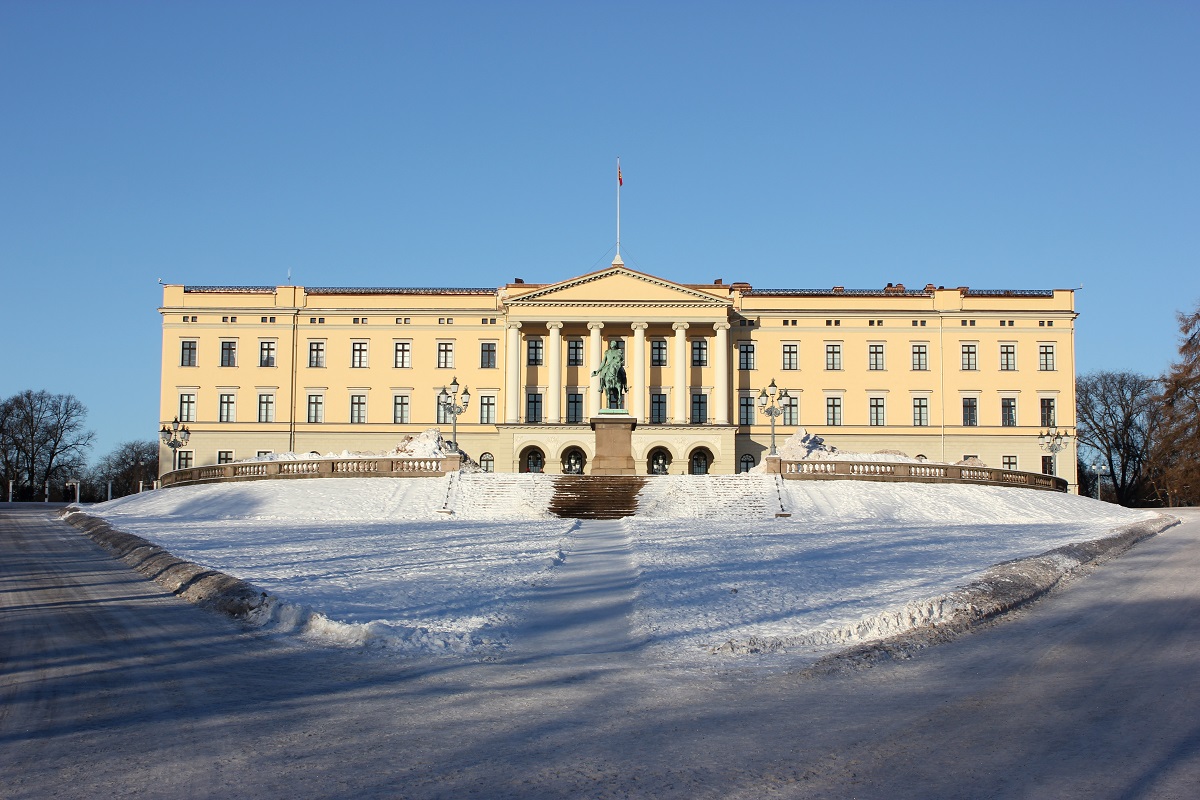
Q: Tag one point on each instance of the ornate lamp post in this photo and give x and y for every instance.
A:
(768, 406)
(448, 401)
(1101, 470)
(1053, 442)
(175, 437)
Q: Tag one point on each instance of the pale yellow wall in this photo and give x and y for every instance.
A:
(619, 298)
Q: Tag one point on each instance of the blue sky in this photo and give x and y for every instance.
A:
(989, 144)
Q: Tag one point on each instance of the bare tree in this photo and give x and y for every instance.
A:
(128, 467)
(1118, 418)
(1175, 459)
(43, 440)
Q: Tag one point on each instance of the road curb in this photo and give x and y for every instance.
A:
(203, 587)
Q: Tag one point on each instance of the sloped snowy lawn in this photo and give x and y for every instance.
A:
(368, 561)
(855, 561)
(374, 561)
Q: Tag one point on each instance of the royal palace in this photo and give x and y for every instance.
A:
(946, 373)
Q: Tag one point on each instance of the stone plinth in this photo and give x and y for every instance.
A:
(614, 445)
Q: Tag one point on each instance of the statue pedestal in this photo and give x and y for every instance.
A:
(614, 444)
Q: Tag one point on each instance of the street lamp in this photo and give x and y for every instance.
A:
(448, 401)
(1101, 470)
(175, 437)
(768, 406)
(1053, 442)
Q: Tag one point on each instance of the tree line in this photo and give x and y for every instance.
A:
(1138, 434)
(44, 446)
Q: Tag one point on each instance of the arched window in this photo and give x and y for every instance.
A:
(747, 462)
(487, 462)
(573, 461)
(533, 460)
(659, 462)
(698, 463)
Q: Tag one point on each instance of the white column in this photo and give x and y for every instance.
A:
(637, 379)
(595, 353)
(721, 381)
(681, 388)
(554, 390)
(512, 374)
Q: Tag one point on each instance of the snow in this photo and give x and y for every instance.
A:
(379, 563)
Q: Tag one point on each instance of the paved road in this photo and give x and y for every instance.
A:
(108, 688)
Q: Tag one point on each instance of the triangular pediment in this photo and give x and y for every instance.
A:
(619, 286)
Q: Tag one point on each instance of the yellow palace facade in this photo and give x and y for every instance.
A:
(945, 373)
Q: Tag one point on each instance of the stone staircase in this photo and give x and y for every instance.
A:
(596, 496)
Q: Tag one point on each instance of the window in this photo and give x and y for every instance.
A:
(745, 355)
(358, 355)
(187, 353)
(1008, 412)
(1008, 357)
(224, 456)
(575, 408)
(1048, 412)
(402, 359)
(228, 354)
(791, 356)
(970, 357)
(261, 453)
(400, 409)
(746, 463)
(1046, 357)
(970, 412)
(833, 411)
(658, 352)
(877, 408)
(699, 352)
(875, 356)
(487, 409)
(316, 408)
(658, 408)
(533, 407)
(699, 408)
(575, 352)
(1047, 465)
(487, 462)
(358, 409)
(487, 355)
(187, 407)
(920, 411)
(227, 408)
(316, 354)
(534, 347)
(833, 356)
(266, 354)
(443, 414)
(791, 410)
(1008, 462)
(920, 353)
(445, 355)
(746, 409)
(186, 459)
(266, 408)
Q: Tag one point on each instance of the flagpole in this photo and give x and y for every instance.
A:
(619, 206)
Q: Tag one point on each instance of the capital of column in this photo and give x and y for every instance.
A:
(640, 326)
(512, 326)
(595, 326)
(680, 326)
(554, 326)
(721, 326)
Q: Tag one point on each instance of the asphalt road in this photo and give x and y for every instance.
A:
(110, 688)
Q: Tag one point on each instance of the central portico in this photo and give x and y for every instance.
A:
(676, 344)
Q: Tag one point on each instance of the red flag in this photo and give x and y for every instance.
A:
(619, 181)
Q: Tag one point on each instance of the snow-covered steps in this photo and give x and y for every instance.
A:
(596, 496)
(493, 495)
(744, 496)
